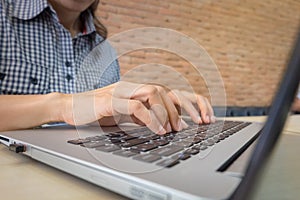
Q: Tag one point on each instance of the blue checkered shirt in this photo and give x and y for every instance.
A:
(39, 56)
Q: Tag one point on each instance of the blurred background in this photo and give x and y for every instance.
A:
(249, 40)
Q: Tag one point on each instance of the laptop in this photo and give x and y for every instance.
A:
(191, 164)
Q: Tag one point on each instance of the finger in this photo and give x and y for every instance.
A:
(173, 116)
(131, 119)
(164, 109)
(150, 95)
(211, 111)
(204, 109)
(161, 105)
(207, 113)
(157, 100)
(137, 109)
(187, 105)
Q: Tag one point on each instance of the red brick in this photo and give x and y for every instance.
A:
(249, 42)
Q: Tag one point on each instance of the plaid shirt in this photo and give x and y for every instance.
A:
(39, 56)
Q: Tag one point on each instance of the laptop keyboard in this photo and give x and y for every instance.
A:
(168, 150)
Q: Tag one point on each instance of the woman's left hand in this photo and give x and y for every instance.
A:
(196, 106)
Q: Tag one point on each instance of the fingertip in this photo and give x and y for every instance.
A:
(168, 128)
(199, 120)
(213, 119)
(207, 119)
(178, 125)
(184, 124)
(161, 130)
(181, 125)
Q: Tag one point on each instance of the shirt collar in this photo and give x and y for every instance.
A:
(89, 26)
(28, 9)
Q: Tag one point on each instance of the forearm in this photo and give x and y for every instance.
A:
(26, 111)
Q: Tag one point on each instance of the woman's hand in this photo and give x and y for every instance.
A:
(149, 105)
(197, 106)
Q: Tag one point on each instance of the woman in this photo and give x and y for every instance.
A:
(44, 44)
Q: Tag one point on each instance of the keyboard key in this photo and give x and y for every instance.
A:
(114, 140)
(216, 138)
(134, 142)
(200, 147)
(169, 162)
(204, 136)
(167, 150)
(127, 137)
(232, 131)
(168, 136)
(154, 137)
(221, 136)
(181, 156)
(78, 141)
(190, 132)
(144, 147)
(196, 140)
(97, 138)
(183, 143)
(226, 133)
(116, 134)
(147, 157)
(210, 142)
(108, 148)
(180, 136)
(125, 153)
(192, 151)
(137, 130)
(93, 144)
(161, 142)
(139, 133)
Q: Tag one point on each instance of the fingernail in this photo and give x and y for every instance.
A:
(179, 125)
(199, 120)
(161, 130)
(184, 124)
(213, 119)
(169, 128)
(207, 119)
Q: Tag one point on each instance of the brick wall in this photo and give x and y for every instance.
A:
(249, 41)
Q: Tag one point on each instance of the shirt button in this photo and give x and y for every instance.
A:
(2, 76)
(68, 64)
(69, 77)
(34, 81)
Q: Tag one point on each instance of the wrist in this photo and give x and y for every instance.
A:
(57, 106)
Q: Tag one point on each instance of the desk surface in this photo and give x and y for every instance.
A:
(23, 177)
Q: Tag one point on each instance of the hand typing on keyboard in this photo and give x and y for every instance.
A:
(145, 104)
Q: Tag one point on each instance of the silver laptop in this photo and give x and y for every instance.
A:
(191, 164)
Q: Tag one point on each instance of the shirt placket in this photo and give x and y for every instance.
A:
(67, 62)
(81, 50)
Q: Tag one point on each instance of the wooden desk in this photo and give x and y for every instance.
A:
(24, 178)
